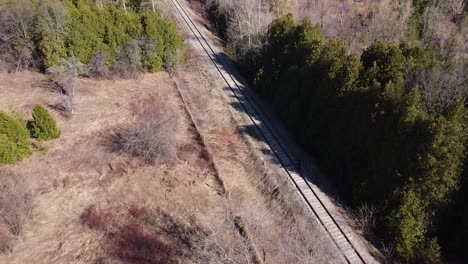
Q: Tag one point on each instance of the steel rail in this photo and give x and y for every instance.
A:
(207, 48)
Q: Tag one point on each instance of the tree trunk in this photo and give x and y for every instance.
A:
(152, 3)
(124, 6)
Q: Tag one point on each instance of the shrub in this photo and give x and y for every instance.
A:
(97, 66)
(218, 18)
(14, 139)
(155, 138)
(134, 245)
(155, 141)
(152, 60)
(161, 39)
(15, 207)
(172, 60)
(93, 218)
(65, 75)
(129, 65)
(137, 211)
(40, 146)
(43, 126)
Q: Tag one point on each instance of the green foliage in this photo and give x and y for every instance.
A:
(85, 31)
(134, 4)
(111, 28)
(419, 5)
(407, 226)
(367, 121)
(162, 38)
(442, 162)
(383, 64)
(41, 146)
(406, 223)
(51, 32)
(418, 57)
(218, 18)
(455, 232)
(59, 29)
(14, 139)
(43, 126)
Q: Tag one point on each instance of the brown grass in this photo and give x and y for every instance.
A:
(15, 208)
(272, 224)
(138, 211)
(147, 236)
(174, 211)
(156, 135)
(78, 171)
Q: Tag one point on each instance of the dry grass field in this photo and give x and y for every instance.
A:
(79, 172)
(215, 201)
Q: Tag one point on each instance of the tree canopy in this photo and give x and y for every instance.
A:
(368, 119)
(43, 33)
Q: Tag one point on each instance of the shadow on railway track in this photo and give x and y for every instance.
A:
(283, 149)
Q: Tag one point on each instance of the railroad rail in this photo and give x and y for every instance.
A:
(289, 164)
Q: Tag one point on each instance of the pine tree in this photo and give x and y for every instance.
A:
(43, 126)
(14, 139)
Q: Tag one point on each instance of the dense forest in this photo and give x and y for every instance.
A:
(385, 115)
(104, 35)
(371, 123)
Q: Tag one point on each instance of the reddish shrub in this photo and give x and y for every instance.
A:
(133, 245)
(138, 212)
(94, 218)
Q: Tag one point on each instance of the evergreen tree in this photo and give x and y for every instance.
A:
(368, 122)
(43, 126)
(51, 29)
(14, 139)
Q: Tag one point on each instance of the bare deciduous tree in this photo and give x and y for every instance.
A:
(384, 15)
(247, 24)
(129, 59)
(124, 3)
(172, 60)
(15, 208)
(452, 7)
(440, 23)
(440, 88)
(97, 66)
(365, 217)
(54, 13)
(154, 141)
(282, 7)
(66, 76)
(16, 23)
(155, 137)
(248, 18)
(323, 8)
(99, 3)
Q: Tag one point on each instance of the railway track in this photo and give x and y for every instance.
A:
(290, 165)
